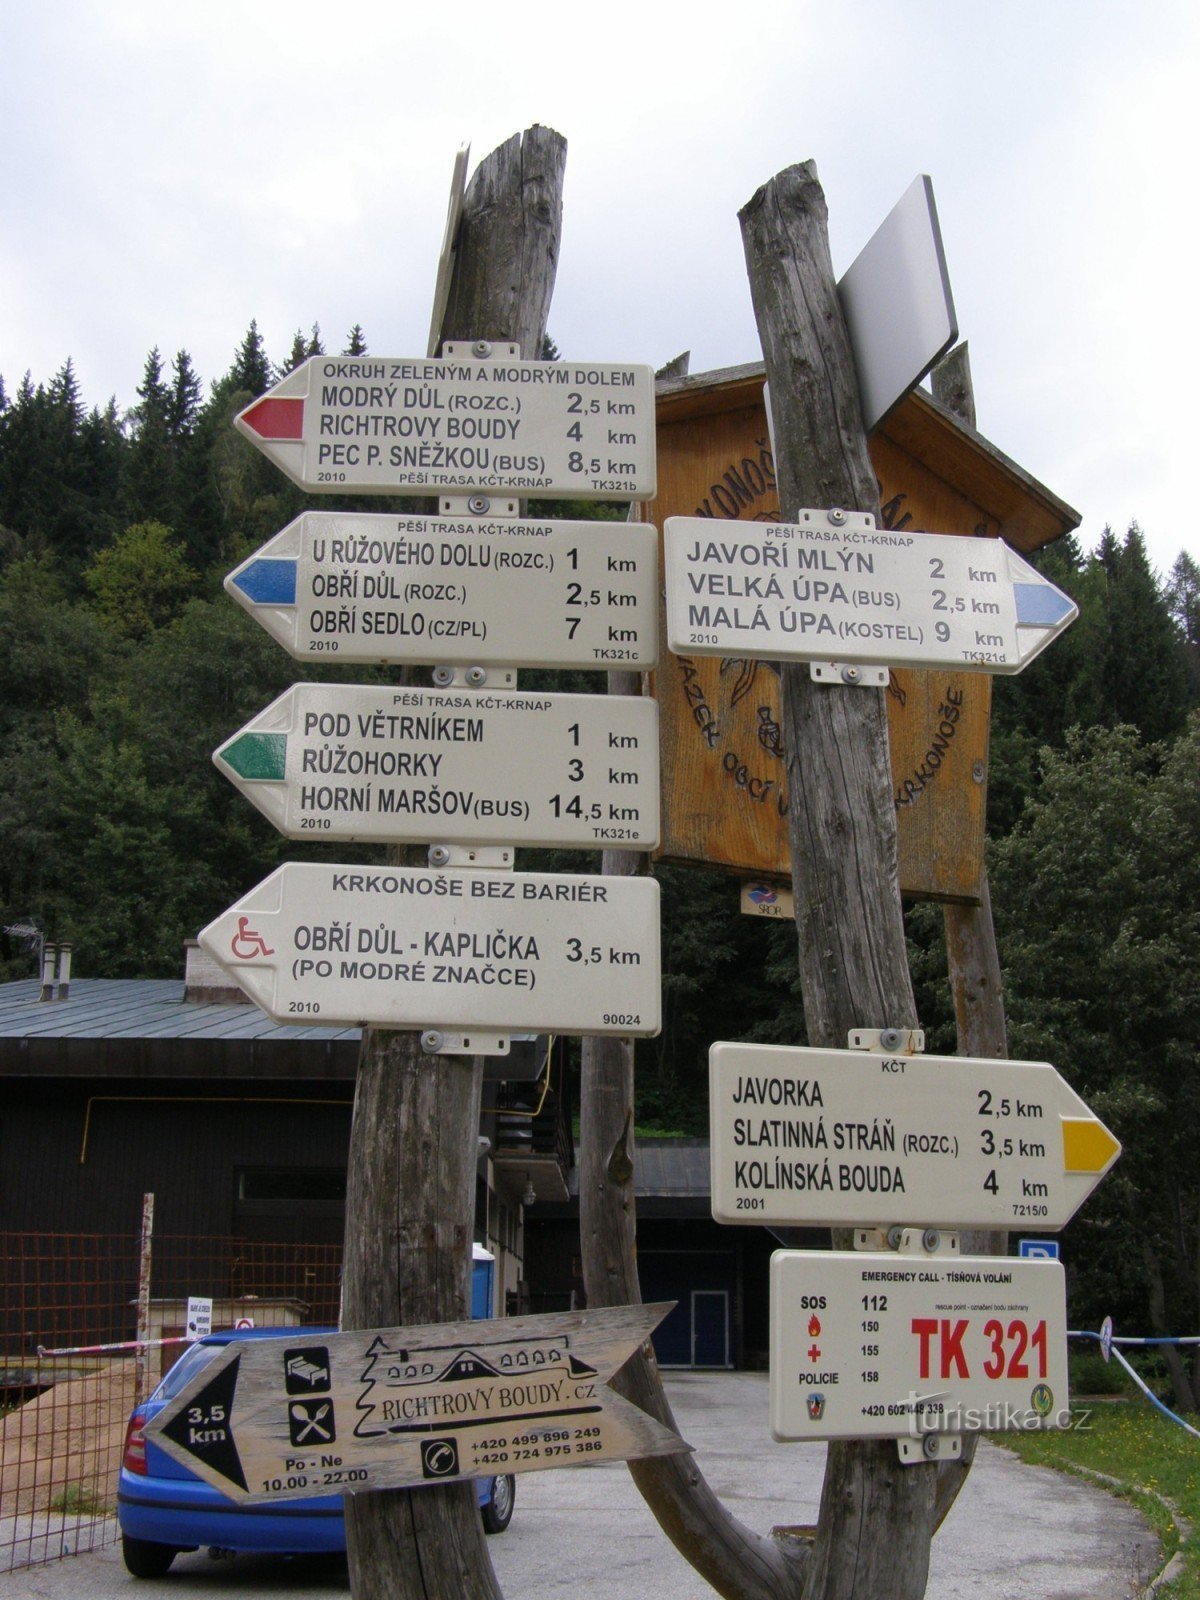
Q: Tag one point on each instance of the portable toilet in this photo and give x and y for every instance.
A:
(483, 1276)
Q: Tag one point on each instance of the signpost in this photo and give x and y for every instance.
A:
(362, 587)
(309, 1414)
(834, 587)
(404, 947)
(475, 421)
(495, 767)
(868, 1345)
(848, 1136)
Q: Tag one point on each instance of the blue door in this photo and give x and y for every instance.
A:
(710, 1328)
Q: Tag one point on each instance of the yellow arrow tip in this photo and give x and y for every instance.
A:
(1087, 1145)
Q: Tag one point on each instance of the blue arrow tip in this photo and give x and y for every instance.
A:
(1041, 605)
(267, 582)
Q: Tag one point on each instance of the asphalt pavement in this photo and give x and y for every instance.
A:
(1016, 1532)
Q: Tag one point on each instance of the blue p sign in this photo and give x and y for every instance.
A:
(1038, 1249)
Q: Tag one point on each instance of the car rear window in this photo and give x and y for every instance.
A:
(186, 1368)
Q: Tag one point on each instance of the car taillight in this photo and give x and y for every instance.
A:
(133, 1458)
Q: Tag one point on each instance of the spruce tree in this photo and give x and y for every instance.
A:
(1145, 671)
(1183, 599)
(251, 370)
(149, 480)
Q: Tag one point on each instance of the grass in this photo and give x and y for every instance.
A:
(78, 1499)
(1134, 1443)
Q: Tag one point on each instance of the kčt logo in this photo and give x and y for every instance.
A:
(1042, 1399)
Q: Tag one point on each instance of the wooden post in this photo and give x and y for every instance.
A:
(141, 1388)
(972, 958)
(876, 1519)
(738, 1563)
(410, 1200)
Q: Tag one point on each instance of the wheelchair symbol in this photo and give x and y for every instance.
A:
(246, 944)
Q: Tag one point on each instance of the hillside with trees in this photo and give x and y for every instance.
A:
(122, 666)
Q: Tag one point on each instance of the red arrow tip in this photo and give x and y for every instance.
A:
(276, 419)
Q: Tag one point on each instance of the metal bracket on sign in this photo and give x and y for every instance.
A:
(480, 350)
(851, 673)
(908, 1241)
(887, 1041)
(924, 1241)
(446, 677)
(487, 858)
(466, 506)
(930, 1447)
(479, 1042)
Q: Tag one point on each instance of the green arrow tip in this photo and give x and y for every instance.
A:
(260, 757)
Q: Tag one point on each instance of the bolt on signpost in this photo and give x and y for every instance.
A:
(467, 950)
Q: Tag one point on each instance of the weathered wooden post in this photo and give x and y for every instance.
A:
(410, 1198)
(972, 958)
(877, 1517)
(736, 1561)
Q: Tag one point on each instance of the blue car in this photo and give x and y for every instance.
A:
(164, 1509)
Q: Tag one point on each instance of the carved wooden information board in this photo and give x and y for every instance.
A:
(723, 771)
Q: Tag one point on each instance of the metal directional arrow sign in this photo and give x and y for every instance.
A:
(836, 588)
(882, 1345)
(460, 425)
(408, 948)
(465, 766)
(347, 586)
(339, 1413)
(848, 1136)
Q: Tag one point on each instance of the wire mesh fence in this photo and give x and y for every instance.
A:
(64, 1401)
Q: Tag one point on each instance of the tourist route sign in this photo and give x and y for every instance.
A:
(337, 761)
(844, 590)
(877, 1345)
(460, 425)
(856, 1137)
(404, 947)
(354, 586)
(340, 1413)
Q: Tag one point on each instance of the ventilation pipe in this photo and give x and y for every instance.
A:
(49, 952)
(64, 971)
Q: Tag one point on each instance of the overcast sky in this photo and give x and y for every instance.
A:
(170, 171)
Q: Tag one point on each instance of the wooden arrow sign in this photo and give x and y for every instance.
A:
(337, 1413)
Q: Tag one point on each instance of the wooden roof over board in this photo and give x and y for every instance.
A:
(1030, 514)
